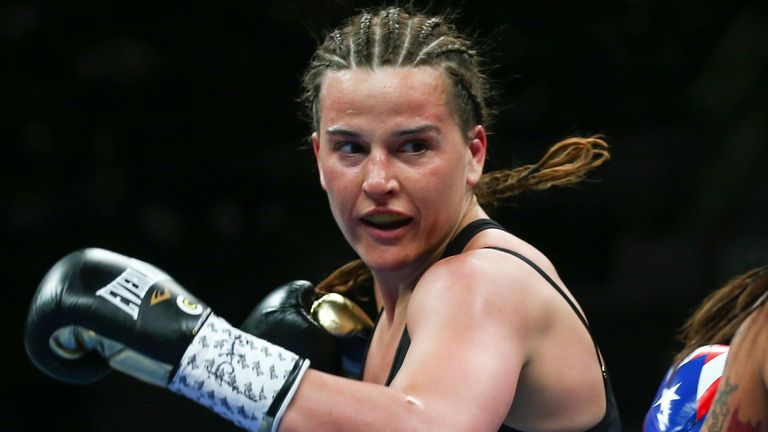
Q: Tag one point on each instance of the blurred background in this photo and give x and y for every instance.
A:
(172, 134)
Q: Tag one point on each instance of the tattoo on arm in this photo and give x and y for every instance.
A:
(718, 413)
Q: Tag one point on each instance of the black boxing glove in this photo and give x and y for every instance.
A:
(93, 303)
(330, 330)
(96, 310)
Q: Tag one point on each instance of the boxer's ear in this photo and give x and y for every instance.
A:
(316, 148)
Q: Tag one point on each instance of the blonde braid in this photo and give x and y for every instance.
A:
(565, 163)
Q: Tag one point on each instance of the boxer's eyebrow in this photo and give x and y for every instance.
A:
(339, 131)
(417, 130)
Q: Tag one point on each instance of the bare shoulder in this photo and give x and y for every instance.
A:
(509, 241)
(492, 285)
(480, 282)
(480, 271)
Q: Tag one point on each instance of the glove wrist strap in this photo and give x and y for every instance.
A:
(243, 378)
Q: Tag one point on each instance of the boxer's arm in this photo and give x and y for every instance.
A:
(460, 373)
(96, 310)
(456, 376)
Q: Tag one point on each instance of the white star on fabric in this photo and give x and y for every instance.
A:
(667, 396)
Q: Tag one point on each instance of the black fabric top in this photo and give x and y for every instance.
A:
(611, 421)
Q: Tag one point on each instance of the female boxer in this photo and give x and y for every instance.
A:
(476, 331)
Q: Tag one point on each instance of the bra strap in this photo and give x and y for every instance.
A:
(460, 241)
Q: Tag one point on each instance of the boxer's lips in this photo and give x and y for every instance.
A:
(386, 221)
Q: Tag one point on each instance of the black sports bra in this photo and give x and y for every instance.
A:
(610, 421)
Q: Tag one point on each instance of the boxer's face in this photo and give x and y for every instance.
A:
(396, 166)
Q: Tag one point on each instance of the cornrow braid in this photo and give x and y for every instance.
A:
(335, 42)
(393, 33)
(427, 28)
(360, 41)
(464, 93)
(437, 50)
(372, 39)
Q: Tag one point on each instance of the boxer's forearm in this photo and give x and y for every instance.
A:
(325, 402)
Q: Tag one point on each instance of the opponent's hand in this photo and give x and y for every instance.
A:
(686, 393)
(330, 330)
(96, 310)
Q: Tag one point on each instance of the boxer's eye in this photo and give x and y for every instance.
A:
(349, 147)
(413, 147)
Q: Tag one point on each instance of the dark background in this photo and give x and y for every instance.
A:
(170, 133)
